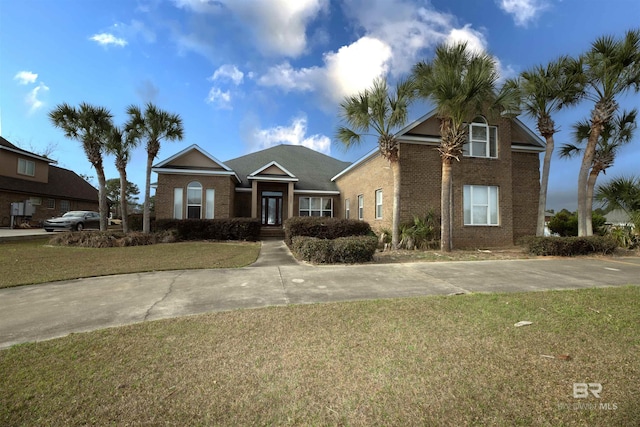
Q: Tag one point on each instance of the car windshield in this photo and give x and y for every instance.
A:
(73, 214)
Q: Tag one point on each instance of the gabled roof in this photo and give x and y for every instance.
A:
(63, 184)
(313, 169)
(6, 145)
(261, 172)
(213, 166)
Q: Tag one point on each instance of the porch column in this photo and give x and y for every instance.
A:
(290, 204)
(254, 199)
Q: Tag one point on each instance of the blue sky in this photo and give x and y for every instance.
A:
(248, 74)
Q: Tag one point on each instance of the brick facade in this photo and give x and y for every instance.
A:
(223, 186)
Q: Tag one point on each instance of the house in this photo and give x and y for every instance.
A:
(31, 179)
(495, 183)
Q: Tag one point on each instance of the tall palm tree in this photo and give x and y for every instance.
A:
(378, 110)
(120, 144)
(153, 125)
(544, 91)
(90, 125)
(610, 68)
(622, 193)
(460, 83)
(614, 134)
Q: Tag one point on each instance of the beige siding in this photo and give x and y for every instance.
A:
(9, 167)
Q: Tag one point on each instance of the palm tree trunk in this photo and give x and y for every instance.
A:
(395, 233)
(103, 206)
(146, 214)
(123, 200)
(544, 183)
(445, 207)
(591, 184)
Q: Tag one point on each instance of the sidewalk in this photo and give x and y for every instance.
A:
(40, 312)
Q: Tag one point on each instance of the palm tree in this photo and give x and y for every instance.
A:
(460, 83)
(153, 125)
(376, 109)
(622, 193)
(90, 125)
(120, 145)
(609, 69)
(544, 91)
(614, 134)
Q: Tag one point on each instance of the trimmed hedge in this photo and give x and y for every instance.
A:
(212, 229)
(348, 250)
(324, 228)
(570, 246)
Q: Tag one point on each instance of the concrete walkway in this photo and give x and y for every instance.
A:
(40, 312)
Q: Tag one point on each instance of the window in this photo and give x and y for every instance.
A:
(347, 209)
(360, 207)
(177, 203)
(51, 203)
(65, 206)
(316, 206)
(209, 200)
(378, 204)
(194, 200)
(480, 205)
(482, 140)
(26, 167)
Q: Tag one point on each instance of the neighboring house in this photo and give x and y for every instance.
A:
(32, 179)
(495, 184)
(618, 218)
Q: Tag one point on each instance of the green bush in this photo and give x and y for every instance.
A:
(324, 228)
(570, 246)
(212, 229)
(565, 223)
(422, 233)
(349, 250)
(134, 222)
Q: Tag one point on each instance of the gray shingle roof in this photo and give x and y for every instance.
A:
(314, 170)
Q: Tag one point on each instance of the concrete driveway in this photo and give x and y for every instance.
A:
(40, 312)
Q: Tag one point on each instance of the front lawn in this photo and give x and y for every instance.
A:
(34, 261)
(456, 360)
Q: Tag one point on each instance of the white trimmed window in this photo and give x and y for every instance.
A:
(378, 204)
(51, 203)
(65, 206)
(194, 200)
(482, 140)
(360, 207)
(177, 202)
(26, 167)
(316, 206)
(347, 208)
(210, 196)
(480, 205)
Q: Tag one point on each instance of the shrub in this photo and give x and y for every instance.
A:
(350, 250)
(324, 228)
(106, 239)
(565, 223)
(422, 233)
(135, 222)
(570, 246)
(212, 229)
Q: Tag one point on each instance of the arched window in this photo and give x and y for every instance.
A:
(194, 200)
(483, 139)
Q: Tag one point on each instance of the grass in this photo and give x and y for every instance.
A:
(454, 360)
(33, 261)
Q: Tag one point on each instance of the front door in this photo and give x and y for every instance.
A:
(272, 208)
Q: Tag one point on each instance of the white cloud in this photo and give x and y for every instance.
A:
(105, 39)
(25, 77)
(295, 134)
(230, 72)
(219, 98)
(348, 71)
(523, 11)
(32, 98)
(476, 42)
(279, 25)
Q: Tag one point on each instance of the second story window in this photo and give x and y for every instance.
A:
(482, 139)
(26, 167)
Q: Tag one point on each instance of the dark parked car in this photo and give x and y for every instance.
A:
(74, 220)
